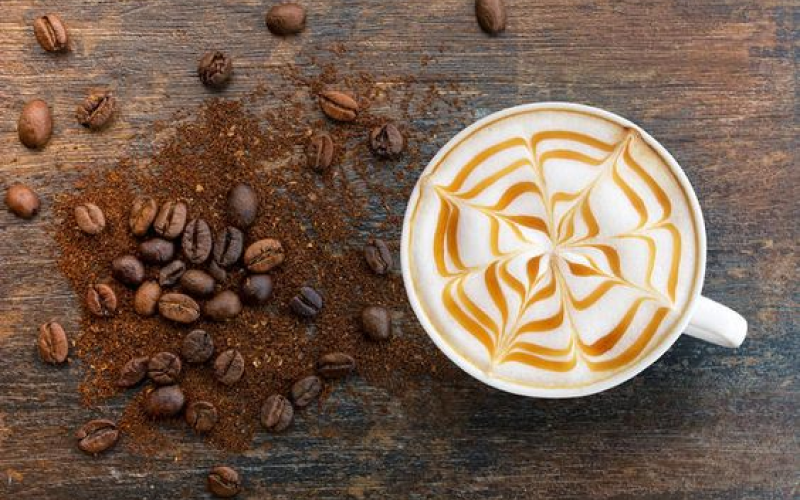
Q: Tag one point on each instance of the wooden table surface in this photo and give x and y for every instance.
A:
(714, 80)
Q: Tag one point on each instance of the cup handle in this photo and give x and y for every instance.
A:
(717, 324)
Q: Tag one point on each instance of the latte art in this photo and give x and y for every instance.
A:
(552, 248)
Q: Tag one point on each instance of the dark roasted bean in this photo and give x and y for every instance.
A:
(224, 305)
(242, 206)
(338, 106)
(197, 241)
(378, 256)
(256, 288)
(142, 215)
(229, 367)
(201, 416)
(170, 274)
(224, 482)
(164, 368)
(197, 283)
(133, 372)
(53, 345)
(276, 413)
(307, 303)
(197, 347)
(305, 390)
(96, 111)
(101, 300)
(128, 270)
(179, 308)
(263, 255)
(228, 247)
(22, 201)
(170, 220)
(90, 218)
(97, 436)
(157, 251)
(335, 365)
(165, 401)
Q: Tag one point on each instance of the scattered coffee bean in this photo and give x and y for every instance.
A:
(156, 251)
(101, 300)
(51, 33)
(378, 256)
(171, 273)
(491, 15)
(165, 401)
(197, 241)
(218, 273)
(305, 390)
(170, 220)
(35, 125)
(256, 288)
(179, 308)
(224, 482)
(53, 344)
(164, 368)
(224, 305)
(276, 413)
(145, 301)
(97, 436)
(386, 141)
(215, 69)
(197, 283)
(307, 303)
(128, 270)
(201, 416)
(90, 218)
(286, 19)
(338, 106)
(242, 206)
(229, 367)
(134, 371)
(22, 201)
(320, 152)
(96, 111)
(143, 213)
(263, 255)
(335, 365)
(197, 347)
(228, 247)
(376, 322)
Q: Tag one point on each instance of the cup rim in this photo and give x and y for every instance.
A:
(622, 375)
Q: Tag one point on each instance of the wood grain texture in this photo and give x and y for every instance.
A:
(713, 80)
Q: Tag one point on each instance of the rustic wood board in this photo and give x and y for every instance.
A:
(714, 80)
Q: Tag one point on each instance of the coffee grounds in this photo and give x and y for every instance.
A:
(323, 222)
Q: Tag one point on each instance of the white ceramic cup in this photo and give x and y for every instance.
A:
(707, 320)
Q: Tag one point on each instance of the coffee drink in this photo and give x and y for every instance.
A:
(97, 436)
(96, 111)
(22, 201)
(35, 125)
(551, 247)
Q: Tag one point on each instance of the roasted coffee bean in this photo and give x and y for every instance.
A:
(218, 273)
(35, 125)
(201, 416)
(97, 436)
(90, 218)
(335, 365)
(128, 270)
(224, 482)
(22, 201)
(305, 390)
(156, 251)
(145, 301)
(215, 69)
(224, 305)
(171, 273)
(320, 152)
(197, 241)
(96, 111)
(263, 255)
(338, 106)
(286, 19)
(179, 308)
(491, 15)
(376, 322)
(170, 220)
(256, 288)
(378, 256)
(228, 247)
(229, 367)
(276, 413)
(101, 300)
(165, 401)
(197, 347)
(307, 303)
(386, 141)
(197, 283)
(133, 372)
(51, 33)
(142, 215)
(242, 206)
(53, 344)
(164, 368)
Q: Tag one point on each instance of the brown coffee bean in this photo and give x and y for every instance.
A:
(242, 206)
(101, 300)
(228, 247)
(53, 344)
(218, 273)
(133, 372)
(156, 251)
(22, 201)
(256, 288)
(229, 367)
(276, 413)
(145, 301)
(51, 33)
(263, 255)
(90, 218)
(165, 401)
(320, 152)
(286, 19)
(305, 390)
(197, 241)
(171, 220)
(164, 368)
(376, 322)
(197, 283)
(142, 215)
(197, 347)
(386, 141)
(224, 305)
(97, 436)
(378, 256)
(35, 125)
(335, 365)
(215, 69)
(170, 274)
(96, 111)
(307, 303)
(491, 15)
(128, 270)
(224, 482)
(179, 308)
(338, 106)
(201, 416)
